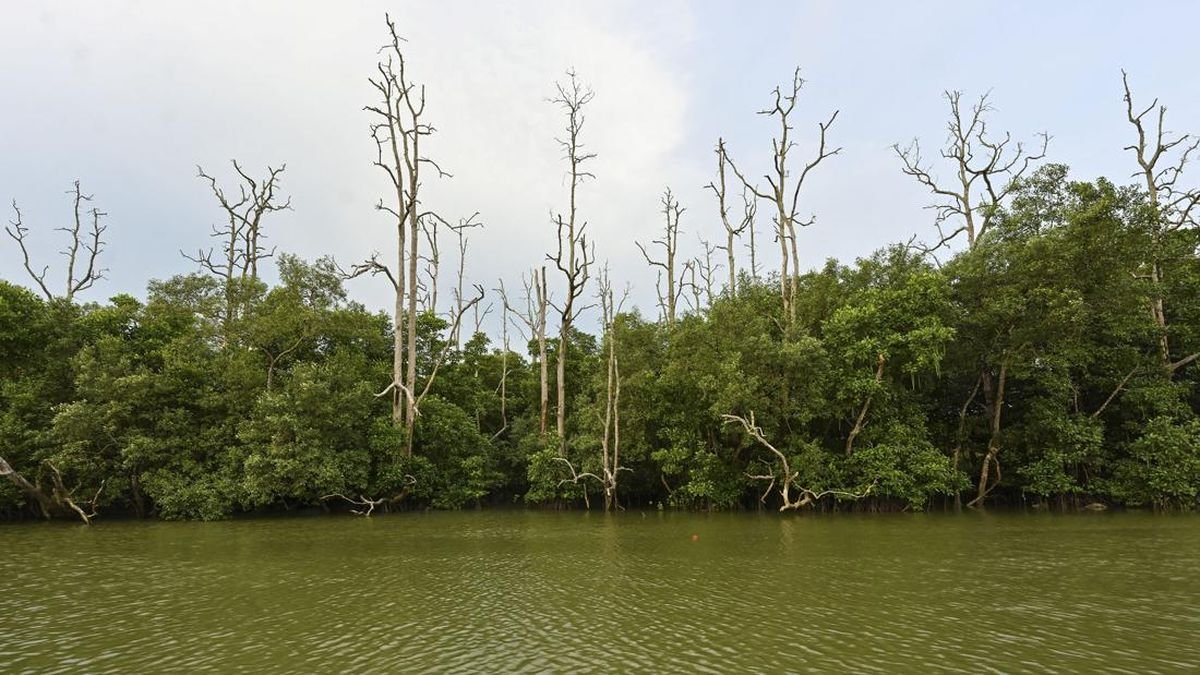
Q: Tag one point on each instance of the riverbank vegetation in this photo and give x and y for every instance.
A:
(1037, 345)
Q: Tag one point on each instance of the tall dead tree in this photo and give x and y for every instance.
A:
(732, 230)
(670, 245)
(1161, 161)
(610, 443)
(784, 196)
(241, 235)
(985, 170)
(573, 257)
(397, 130)
(82, 251)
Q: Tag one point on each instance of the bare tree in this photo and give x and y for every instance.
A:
(533, 316)
(82, 250)
(242, 234)
(460, 231)
(610, 444)
(433, 259)
(1161, 161)
(397, 130)
(59, 499)
(706, 270)
(573, 257)
(785, 196)
(985, 170)
(786, 478)
(732, 231)
(670, 244)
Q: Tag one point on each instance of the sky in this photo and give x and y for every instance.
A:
(130, 97)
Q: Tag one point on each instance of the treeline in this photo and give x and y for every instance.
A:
(1047, 359)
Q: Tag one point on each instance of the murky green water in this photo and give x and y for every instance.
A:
(521, 591)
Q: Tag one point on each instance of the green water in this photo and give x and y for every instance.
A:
(532, 591)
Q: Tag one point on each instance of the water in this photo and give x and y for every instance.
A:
(531, 591)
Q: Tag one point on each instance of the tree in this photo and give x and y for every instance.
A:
(783, 197)
(1161, 166)
(573, 257)
(732, 231)
(985, 169)
(670, 245)
(81, 252)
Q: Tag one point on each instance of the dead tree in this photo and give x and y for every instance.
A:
(433, 262)
(502, 387)
(82, 251)
(1161, 161)
(59, 500)
(242, 234)
(750, 210)
(460, 231)
(706, 270)
(610, 444)
(45, 503)
(732, 231)
(573, 257)
(534, 318)
(861, 421)
(985, 170)
(804, 496)
(397, 131)
(785, 196)
(670, 245)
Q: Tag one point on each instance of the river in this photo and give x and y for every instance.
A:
(516, 591)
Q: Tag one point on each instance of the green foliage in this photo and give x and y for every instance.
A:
(207, 400)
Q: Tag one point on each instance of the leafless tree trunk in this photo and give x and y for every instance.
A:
(610, 444)
(573, 257)
(534, 318)
(860, 422)
(397, 131)
(985, 171)
(784, 197)
(707, 270)
(670, 244)
(59, 500)
(1174, 207)
(460, 231)
(81, 253)
(991, 459)
(32, 491)
(732, 232)
(805, 496)
(433, 261)
(502, 388)
(242, 235)
(751, 207)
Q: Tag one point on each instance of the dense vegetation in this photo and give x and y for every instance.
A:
(1050, 361)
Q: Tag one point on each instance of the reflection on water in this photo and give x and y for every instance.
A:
(526, 591)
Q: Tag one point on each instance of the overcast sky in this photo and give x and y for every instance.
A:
(128, 97)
